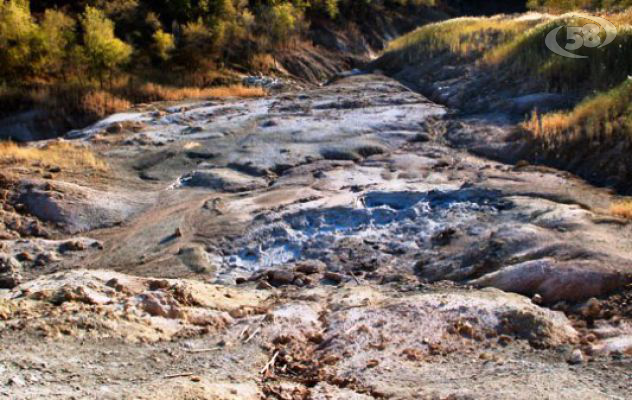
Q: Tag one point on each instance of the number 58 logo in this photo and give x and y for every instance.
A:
(577, 37)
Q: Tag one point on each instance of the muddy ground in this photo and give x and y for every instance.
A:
(333, 243)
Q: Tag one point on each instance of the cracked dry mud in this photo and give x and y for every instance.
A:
(325, 244)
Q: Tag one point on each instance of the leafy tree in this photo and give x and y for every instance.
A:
(55, 37)
(281, 21)
(104, 51)
(164, 44)
(17, 32)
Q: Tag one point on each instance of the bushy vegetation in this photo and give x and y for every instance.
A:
(569, 5)
(55, 47)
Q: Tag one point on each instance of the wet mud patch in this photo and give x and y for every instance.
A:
(381, 230)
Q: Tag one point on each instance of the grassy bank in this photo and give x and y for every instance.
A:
(465, 38)
(509, 53)
(88, 103)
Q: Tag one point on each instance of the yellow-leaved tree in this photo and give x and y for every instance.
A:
(105, 52)
(17, 30)
(164, 44)
(55, 37)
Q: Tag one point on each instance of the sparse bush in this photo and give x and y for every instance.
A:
(100, 104)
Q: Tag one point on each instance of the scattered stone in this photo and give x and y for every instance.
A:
(421, 137)
(10, 280)
(536, 299)
(504, 340)
(10, 269)
(522, 164)
(115, 128)
(334, 277)
(72, 245)
(25, 257)
(591, 309)
(223, 179)
(444, 237)
(280, 278)
(310, 267)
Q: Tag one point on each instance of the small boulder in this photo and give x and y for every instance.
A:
(115, 128)
(310, 267)
(280, 278)
(576, 357)
(9, 272)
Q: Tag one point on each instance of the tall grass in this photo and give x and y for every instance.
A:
(526, 55)
(149, 92)
(463, 38)
(605, 117)
(84, 104)
(65, 155)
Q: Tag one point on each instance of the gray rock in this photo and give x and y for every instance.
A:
(223, 179)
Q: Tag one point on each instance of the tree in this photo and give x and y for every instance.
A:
(55, 37)
(105, 52)
(281, 21)
(17, 31)
(164, 44)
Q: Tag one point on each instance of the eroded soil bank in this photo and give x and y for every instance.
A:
(323, 244)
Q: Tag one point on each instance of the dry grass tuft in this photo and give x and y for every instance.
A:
(153, 92)
(263, 63)
(604, 117)
(62, 154)
(101, 103)
(621, 209)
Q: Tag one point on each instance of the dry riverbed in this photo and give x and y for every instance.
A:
(324, 244)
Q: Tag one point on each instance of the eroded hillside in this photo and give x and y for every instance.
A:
(312, 244)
